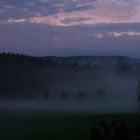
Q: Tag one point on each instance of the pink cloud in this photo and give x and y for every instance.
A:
(101, 35)
(21, 20)
(104, 11)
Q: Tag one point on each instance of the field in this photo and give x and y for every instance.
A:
(56, 125)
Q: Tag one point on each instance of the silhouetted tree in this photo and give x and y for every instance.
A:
(75, 65)
(96, 67)
(100, 93)
(124, 68)
(81, 95)
(64, 95)
(87, 65)
(29, 95)
(47, 94)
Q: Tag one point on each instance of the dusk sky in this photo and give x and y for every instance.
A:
(70, 27)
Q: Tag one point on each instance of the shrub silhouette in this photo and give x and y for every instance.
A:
(95, 134)
(112, 131)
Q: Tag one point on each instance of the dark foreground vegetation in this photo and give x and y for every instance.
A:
(115, 130)
(43, 125)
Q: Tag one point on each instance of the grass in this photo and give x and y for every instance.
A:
(47, 125)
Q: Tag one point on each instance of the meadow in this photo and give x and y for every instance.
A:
(55, 125)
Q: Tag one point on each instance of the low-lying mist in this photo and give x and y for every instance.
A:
(72, 83)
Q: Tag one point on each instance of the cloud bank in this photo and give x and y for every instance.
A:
(70, 27)
(70, 12)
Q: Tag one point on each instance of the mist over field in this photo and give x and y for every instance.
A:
(69, 83)
(69, 69)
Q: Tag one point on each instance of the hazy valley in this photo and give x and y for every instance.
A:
(94, 80)
(48, 77)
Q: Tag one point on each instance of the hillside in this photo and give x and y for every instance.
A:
(77, 77)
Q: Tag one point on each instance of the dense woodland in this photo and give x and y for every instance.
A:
(28, 77)
(21, 73)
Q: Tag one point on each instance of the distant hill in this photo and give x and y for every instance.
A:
(76, 77)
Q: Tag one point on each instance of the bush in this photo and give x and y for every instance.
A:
(115, 130)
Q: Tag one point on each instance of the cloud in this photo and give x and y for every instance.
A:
(70, 27)
(71, 12)
(21, 20)
(78, 12)
(126, 34)
(36, 39)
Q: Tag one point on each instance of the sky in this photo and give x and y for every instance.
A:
(70, 27)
